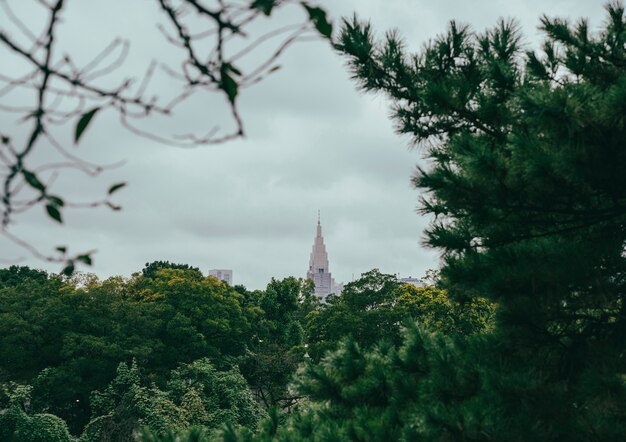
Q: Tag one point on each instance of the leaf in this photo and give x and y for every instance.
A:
(85, 259)
(116, 187)
(68, 270)
(55, 200)
(228, 84)
(84, 121)
(5, 140)
(53, 212)
(233, 69)
(264, 6)
(274, 69)
(33, 181)
(318, 17)
(62, 249)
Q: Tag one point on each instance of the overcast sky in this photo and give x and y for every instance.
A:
(313, 142)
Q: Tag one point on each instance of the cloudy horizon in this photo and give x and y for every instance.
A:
(313, 142)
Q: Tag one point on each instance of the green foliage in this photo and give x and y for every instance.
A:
(227, 83)
(278, 343)
(211, 397)
(525, 181)
(33, 181)
(42, 428)
(17, 425)
(54, 331)
(526, 186)
(365, 310)
(115, 187)
(54, 212)
(16, 275)
(433, 387)
(265, 6)
(191, 435)
(357, 394)
(197, 316)
(126, 405)
(151, 268)
(376, 307)
(8, 424)
(434, 310)
(168, 322)
(197, 396)
(83, 122)
(319, 20)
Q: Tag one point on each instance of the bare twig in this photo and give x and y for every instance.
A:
(63, 92)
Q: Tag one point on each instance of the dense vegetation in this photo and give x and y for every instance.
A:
(527, 191)
(170, 350)
(526, 186)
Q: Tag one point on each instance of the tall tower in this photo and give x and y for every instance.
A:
(318, 266)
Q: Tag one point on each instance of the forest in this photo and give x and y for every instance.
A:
(519, 336)
(169, 350)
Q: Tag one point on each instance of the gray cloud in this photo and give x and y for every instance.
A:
(313, 142)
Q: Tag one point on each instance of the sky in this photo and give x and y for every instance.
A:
(313, 142)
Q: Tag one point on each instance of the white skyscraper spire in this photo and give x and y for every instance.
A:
(319, 270)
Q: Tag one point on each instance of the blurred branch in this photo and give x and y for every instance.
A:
(65, 93)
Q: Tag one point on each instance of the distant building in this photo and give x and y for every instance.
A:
(319, 271)
(413, 281)
(223, 275)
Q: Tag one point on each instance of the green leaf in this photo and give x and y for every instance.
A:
(33, 181)
(62, 249)
(85, 259)
(318, 17)
(233, 69)
(55, 200)
(228, 84)
(264, 6)
(68, 270)
(84, 121)
(5, 140)
(116, 187)
(53, 212)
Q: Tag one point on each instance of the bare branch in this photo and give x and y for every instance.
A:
(63, 93)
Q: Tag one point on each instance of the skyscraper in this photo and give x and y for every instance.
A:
(319, 270)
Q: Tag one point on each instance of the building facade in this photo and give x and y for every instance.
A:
(319, 271)
(223, 275)
(413, 281)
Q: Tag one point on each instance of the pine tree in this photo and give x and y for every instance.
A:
(525, 180)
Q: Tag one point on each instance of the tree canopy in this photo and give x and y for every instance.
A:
(54, 332)
(376, 307)
(169, 351)
(526, 191)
